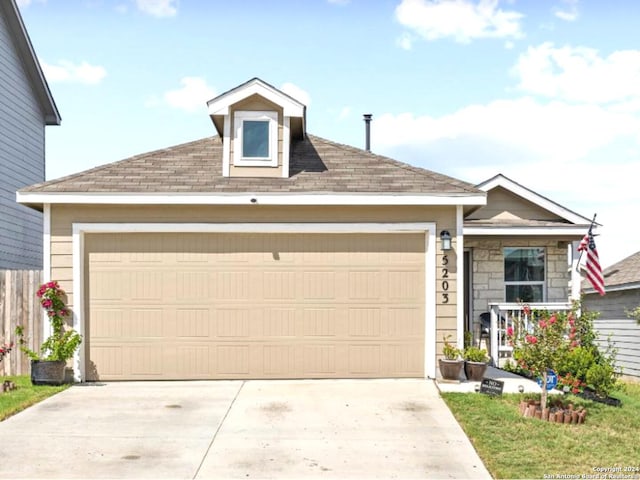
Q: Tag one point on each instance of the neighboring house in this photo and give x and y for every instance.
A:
(26, 107)
(267, 252)
(622, 283)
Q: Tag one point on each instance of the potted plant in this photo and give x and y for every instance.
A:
(48, 367)
(450, 365)
(475, 363)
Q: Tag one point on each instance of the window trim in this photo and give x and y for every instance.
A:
(239, 117)
(542, 282)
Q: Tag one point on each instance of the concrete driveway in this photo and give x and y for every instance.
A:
(240, 429)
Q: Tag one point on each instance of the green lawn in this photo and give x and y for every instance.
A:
(24, 396)
(515, 447)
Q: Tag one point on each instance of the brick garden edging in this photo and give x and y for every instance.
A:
(556, 413)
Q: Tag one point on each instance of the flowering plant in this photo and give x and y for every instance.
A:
(543, 343)
(63, 342)
(5, 350)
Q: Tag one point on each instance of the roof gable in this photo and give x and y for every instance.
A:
(510, 202)
(220, 104)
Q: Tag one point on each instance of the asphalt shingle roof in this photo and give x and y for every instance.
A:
(623, 272)
(316, 165)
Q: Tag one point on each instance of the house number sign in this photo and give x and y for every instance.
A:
(445, 281)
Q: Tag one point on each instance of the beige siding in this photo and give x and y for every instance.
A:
(64, 215)
(255, 102)
(505, 205)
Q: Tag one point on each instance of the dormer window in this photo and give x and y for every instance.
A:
(257, 123)
(255, 139)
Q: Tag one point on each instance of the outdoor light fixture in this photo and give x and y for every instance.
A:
(445, 238)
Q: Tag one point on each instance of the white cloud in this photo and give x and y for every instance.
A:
(405, 41)
(296, 92)
(192, 96)
(158, 8)
(339, 2)
(579, 74)
(569, 13)
(463, 20)
(553, 131)
(345, 112)
(66, 71)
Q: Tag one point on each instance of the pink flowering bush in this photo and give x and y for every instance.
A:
(563, 342)
(63, 342)
(542, 346)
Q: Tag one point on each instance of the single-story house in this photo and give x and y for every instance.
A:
(267, 252)
(622, 282)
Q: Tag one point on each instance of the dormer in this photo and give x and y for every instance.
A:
(257, 123)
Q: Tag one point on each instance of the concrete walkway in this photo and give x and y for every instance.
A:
(512, 383)
(235, 429)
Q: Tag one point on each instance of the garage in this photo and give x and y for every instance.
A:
(179, 305)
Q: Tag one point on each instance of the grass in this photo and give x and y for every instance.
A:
(512, 446)
(24, 396)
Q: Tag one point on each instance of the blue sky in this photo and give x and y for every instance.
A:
(546, 92)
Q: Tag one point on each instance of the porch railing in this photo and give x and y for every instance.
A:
(505, 315)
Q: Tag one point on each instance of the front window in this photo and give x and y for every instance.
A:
(524, 274)
(255, 142)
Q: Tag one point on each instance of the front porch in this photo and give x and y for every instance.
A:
(505, 315)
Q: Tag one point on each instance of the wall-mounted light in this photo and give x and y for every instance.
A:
(445, 239)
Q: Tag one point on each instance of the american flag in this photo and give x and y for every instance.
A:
(591, 264)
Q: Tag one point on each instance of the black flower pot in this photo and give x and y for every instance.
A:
(45, 372)
(450, 369)
(475, 370)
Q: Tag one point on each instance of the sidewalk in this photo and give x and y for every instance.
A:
(512, 383)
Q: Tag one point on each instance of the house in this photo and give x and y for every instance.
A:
(268, 252)
(622, 282)
(26, 107)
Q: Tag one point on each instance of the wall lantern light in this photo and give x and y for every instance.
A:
(445, 239)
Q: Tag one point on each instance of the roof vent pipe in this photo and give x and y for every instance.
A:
(367, 130)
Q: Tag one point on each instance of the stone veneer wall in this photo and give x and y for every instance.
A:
(488, 270)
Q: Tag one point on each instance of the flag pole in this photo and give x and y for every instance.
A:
(589, 233)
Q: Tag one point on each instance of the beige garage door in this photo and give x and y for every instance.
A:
(211, 306)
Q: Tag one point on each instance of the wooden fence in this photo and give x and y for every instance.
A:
(19, 306)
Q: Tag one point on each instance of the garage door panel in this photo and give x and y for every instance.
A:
(404, 322)
(278, 322)
(232, 322)
(364, 359)
(364, 322)
(232, 360)
(255, 306)
(193, 322)
(320, 322)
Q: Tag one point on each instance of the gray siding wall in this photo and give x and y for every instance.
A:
(21, 160)
(613, 321)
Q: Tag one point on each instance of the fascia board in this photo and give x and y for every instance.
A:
(33, 198)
